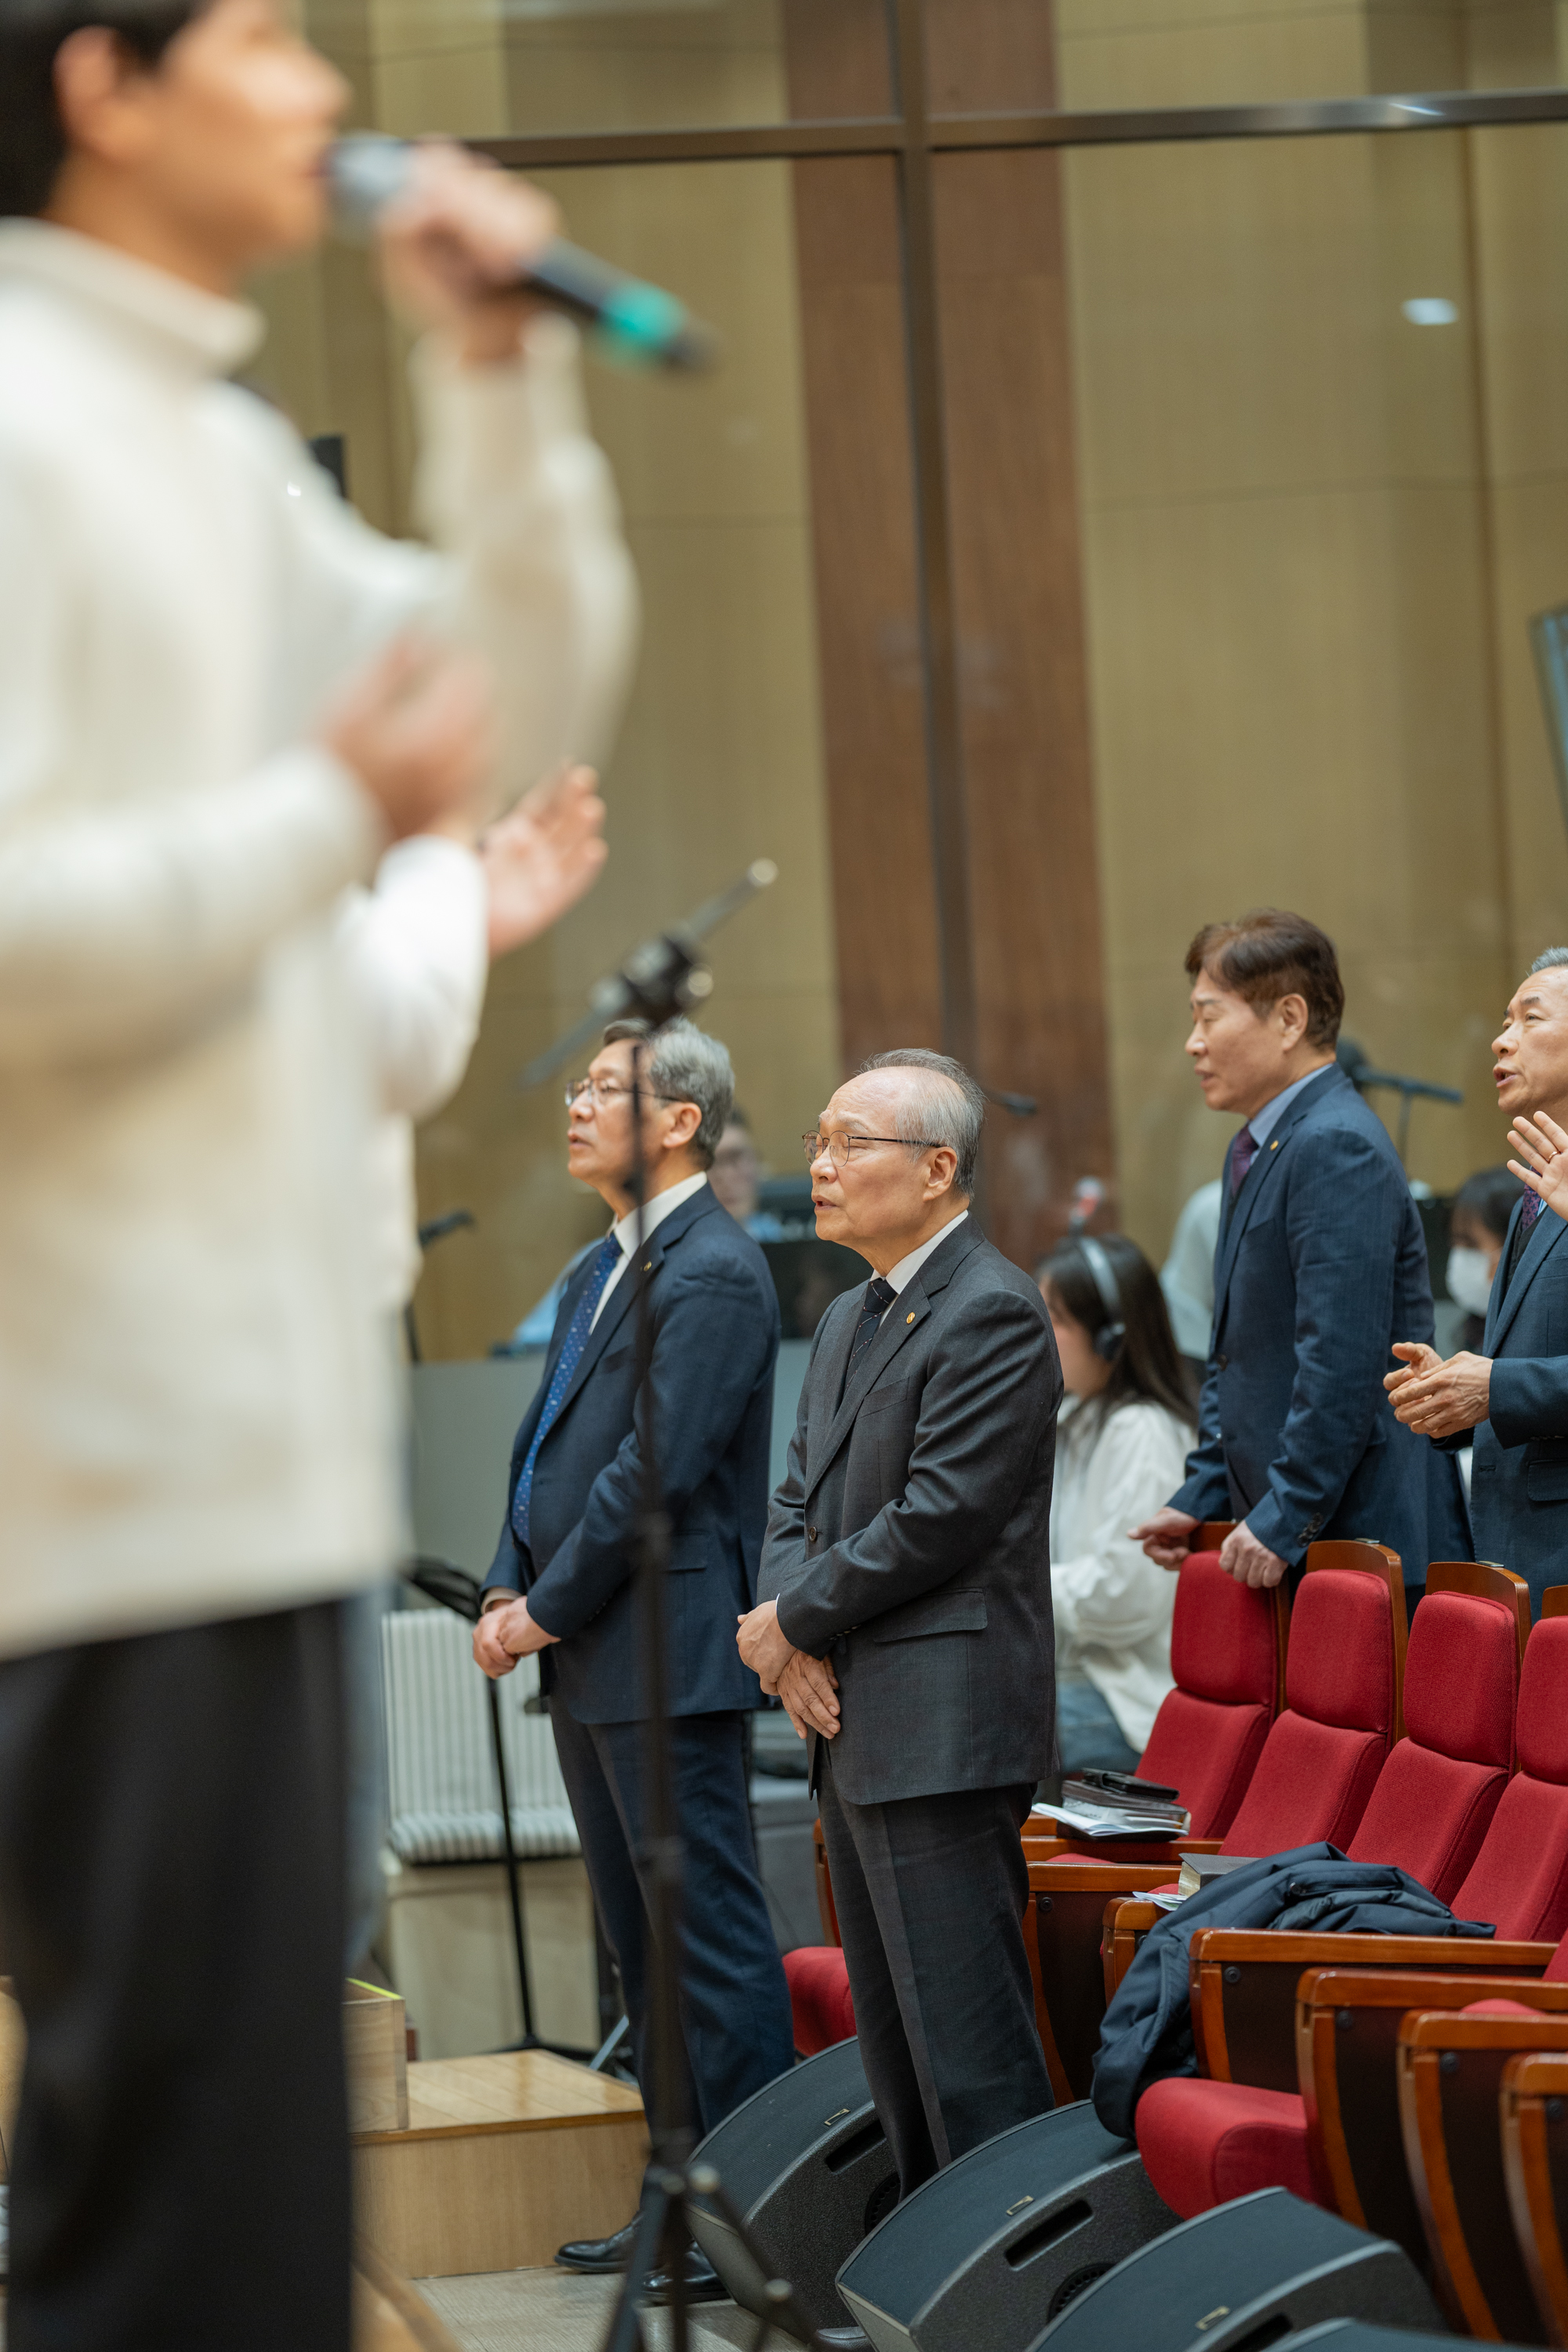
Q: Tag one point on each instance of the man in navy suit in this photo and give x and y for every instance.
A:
(1513, 1395)
(563, 1580)
(1320, 1266)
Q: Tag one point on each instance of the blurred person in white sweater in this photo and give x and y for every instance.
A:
(218, 718)
(1126, 1426)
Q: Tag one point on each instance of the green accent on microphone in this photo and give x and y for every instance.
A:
(640, 322)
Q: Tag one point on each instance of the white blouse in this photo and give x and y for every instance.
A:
(1112, 1605)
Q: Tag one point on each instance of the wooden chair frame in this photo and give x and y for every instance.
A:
(1534, 2128)
(1244, 1986)
(1348, 2020)
(1450, 2071)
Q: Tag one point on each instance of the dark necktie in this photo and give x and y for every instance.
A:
(1243, 1152)
(1530, 1210)
(577, 1339)
(879, 1296)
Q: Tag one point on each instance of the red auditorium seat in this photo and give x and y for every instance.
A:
(1321, 1760)
(1206, 2141)
(1227, 1653)
(818, 1997)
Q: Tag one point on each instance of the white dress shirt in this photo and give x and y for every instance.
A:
(625, 1229)
(195, 1406)
(1113, 1606)
(904, 1273)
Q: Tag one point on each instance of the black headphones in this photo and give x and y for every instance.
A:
(1113, 1332)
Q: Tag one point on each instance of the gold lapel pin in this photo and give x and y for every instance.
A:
(649, 1267)
(1275, 1145)
(909, 1318)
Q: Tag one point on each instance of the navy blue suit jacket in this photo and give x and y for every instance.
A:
(715, 1342)
(1519, 1471)
(1320, 1267)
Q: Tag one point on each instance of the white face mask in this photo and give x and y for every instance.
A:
(1469, 1280)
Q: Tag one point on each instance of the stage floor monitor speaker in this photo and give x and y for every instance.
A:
(1241, 2279)
(991, 2250)
(809, 2167)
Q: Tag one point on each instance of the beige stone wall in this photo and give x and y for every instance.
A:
(1314, 531)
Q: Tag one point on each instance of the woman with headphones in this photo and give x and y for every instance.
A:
(1122, 1441)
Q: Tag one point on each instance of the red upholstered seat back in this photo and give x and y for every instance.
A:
(1210, 1730)
(1519, 1879)
(1322, 1757)
(1436, 1796)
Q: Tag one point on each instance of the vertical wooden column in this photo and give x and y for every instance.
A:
(865, 544)
(1029, 1008)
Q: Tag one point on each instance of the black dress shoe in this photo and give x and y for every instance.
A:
(594, 2255)
(703, 2284)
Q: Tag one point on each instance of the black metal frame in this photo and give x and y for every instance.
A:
(913, 137)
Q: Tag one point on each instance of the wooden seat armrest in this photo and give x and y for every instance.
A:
(1127, 1921)
(1321, 1990)
(1043, 1848)
(1080, 1872)
(1449, 2028)
(1244, 1986)
(1416, 1961)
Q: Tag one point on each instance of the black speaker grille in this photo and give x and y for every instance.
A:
(1075, 2284)
(880, 2202)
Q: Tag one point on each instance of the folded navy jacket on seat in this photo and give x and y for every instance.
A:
(1148, 2029)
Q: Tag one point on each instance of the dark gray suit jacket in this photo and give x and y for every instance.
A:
(911, 1539)
(1518, 1472)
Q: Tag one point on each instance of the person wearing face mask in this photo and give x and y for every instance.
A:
(1124, 1433)
(1477, 1230)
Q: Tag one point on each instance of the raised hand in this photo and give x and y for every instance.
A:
(1543, 1162)
(417, 729)
(543, 855)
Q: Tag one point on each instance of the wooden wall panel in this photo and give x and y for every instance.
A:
(1034, 881)
(852, 339)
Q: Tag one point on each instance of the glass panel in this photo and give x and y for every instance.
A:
(719, 756)
(1138, 53)
(1322, 455)
(485, 69)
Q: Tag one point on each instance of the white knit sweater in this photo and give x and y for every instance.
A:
(195, 1408)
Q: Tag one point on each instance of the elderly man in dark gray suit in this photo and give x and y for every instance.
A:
(904, 1614)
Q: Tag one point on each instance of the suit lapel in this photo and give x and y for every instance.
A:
(829, 1383)
(1244, 1206)
(1548, 1231)
(902, 1319)
(622, 1300)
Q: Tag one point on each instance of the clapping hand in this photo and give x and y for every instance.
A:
(1437, 1398)
(1543, 1162)
(543, 855)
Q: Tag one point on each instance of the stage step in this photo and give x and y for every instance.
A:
(504, 2158)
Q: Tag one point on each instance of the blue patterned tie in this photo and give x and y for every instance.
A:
(577, 1339)
(1243, 1152)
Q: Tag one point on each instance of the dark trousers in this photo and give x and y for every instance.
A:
(734, 2003)
(172, 1909)
(930, 1892)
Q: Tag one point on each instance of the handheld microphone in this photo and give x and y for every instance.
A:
(633, 320)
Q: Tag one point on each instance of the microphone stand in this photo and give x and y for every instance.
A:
(655, 984)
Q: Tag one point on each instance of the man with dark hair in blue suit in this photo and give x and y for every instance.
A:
(1513, 1394)
(563, 1580)
(1320, 1267)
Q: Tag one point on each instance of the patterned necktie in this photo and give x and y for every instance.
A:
(1243, 1152)
(879, 1296)
(577, 1339)
(1531, 1208)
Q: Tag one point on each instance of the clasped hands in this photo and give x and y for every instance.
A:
(807, 1686)
(1438, 1399)
(505, 1633)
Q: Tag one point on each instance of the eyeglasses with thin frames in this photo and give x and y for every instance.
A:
(843, 1147)
(604, 1092)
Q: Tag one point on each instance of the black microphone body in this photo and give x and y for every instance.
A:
(633, 320)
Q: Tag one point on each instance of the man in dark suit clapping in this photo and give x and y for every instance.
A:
(1513, 1394)
(905, 1615)
(561, 1582)
(1320, 1267)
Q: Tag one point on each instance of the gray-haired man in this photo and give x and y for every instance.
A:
(906, 1611)
(568, 1549)
(1511, 1400)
